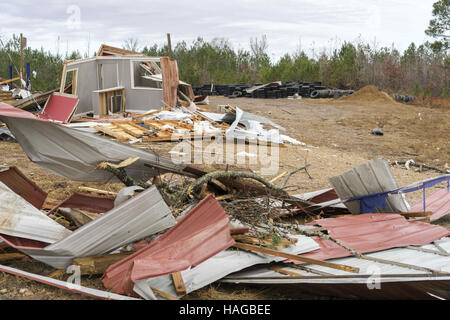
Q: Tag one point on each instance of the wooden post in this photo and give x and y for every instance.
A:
(169, 46)
(21, 60)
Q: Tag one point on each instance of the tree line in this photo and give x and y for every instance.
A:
(422, 70)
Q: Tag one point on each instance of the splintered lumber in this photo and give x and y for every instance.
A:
(98, 191)
(250, 247)
(178, 282)
(7, 257)
(286, 272)
(79, 217)
(9, 80)
(131, 130)
(163, 294)
(263, 242)
(278, 177)
(113, 132)
(138, 116)
(123, 164)
(98, 264)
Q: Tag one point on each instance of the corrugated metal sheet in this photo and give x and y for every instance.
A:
(137, 218)
(373, 232)
(84, 201)
(199, 235)
(19, 218)
(74, 154)
(369, 178)
(23, 186)
(65, 285)
(217, 267)
(59, 107)
(437, 202)
(397, 282)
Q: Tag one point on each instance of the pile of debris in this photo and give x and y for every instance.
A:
(163, 240)
(272, 90)
(174, 228)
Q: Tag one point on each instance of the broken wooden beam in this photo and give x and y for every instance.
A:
(178, 283)
(8, 257)
(98, 264)
(250, 247)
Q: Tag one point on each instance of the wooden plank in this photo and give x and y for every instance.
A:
(120, 136)
(130, 130)
(163, 294)
(98, 191)
(178, 282)
(287, 272)
(249, 247)
(9, 80)
(98, 264)
(278, 177)
(7, 257)
(149, 113)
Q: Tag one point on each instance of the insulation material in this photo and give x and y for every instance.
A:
(369, 178)
(437, 202)
(217, 267)
(21, 219)
(59, 107)
(74, 154)
(199, 235)
(135, 219)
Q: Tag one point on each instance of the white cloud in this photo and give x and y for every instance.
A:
(317, 23)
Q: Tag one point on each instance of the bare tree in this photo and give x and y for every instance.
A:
(131, 44)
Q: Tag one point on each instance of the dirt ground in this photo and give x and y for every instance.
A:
(337, 134)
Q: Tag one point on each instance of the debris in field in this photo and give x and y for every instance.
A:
(126, 223)
(377, 132)
(199, 235)
(421, 166)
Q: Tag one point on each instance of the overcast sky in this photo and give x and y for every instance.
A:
(290, 24)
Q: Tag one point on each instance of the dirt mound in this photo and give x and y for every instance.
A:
(369, 94)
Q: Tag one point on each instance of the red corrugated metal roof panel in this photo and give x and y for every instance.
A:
(202, 233)
(10, 111)
(437, 202)
(89, 202)
(373, 232)
(59, 107)
(23, 186)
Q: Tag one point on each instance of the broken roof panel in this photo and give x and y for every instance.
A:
(90, 202)
(437, 202)
(74, 154)
(199, 235)
(65, 285)
(137, 218)
(23, 186)
(397, 270)
(19, 218)
(373, 232)
(59, 107)
(217, 267)
(369, 178)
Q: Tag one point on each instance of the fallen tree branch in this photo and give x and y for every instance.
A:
(294, 172)
(228, 175)
(319, 233)
(419, 165)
